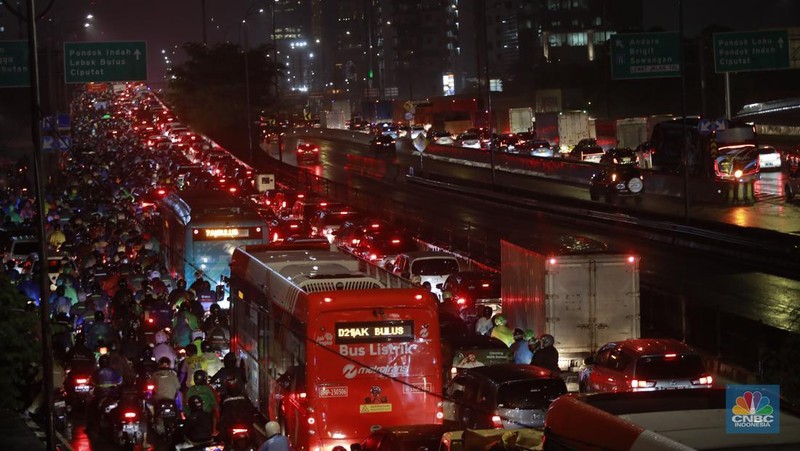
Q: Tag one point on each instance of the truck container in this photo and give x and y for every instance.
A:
(573, 126)
(520, 120)
(343, 106)
(631, 132)
(563, 130)
(377, 110)
(333, 119)
(583, 299)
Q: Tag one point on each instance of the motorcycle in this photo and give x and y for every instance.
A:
(165, 418)
(61, 419)
(78, 390)
(121, 420)
(238, 438)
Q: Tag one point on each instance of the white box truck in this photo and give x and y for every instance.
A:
(333, 119)
(520, 120)
(583, 299)
(573, 126)
(631, 132)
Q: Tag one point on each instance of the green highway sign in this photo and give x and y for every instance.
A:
(86, 62)
(742, 51)
(645, 55)
(14, 64)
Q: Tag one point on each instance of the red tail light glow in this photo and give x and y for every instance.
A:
(642, 384)
(151, 387)
(129, 415)
(631, 259)
(81, 381)
(552, 261)
(461, 301)
(239, 431)
(670, 356)
(497, 422)
(328, 299)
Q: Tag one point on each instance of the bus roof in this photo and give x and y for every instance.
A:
(198, 205)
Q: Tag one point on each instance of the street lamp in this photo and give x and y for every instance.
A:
(245, 42)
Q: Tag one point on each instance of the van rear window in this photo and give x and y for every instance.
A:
(660, 367)
(530, 394)
(434, 266)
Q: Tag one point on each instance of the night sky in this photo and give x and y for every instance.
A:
(167, 23)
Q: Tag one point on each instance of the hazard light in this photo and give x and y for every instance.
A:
(328, 299)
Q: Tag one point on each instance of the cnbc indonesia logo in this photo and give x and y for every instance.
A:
(752, 411)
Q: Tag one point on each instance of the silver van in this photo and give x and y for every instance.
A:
(426, 268)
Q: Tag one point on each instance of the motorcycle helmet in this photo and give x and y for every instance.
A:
(196, 403)
(161, 337)
(104, 361)
(206, 347)
(229, 361)
(214, 309)
(500, 320)
(547, 340)
(200, 377)
(182, 284)
(272, 428)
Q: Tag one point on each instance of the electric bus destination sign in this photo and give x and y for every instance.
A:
(375, 331)
(221, 234)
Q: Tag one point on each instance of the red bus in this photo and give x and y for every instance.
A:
(330, 352)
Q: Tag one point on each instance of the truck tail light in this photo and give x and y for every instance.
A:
(635, 383)
(497, 422)
(703, 380)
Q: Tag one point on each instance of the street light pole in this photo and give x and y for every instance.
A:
(277, 84)
(246, 47)
(44, 280)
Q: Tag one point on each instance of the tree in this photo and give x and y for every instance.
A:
(20, 345)
(208, 91)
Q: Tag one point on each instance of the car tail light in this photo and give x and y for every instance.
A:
(150, 387)
(703, 380)
(635, 383)
(81, 381)
(461, 301)
(129, 415)
(239, 430)
(670, 356)
(497, 422)
(395, 241)
(373, 257)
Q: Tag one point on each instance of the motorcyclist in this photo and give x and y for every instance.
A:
(107, 382)
(275, 440)
(183, 325)
(191, 363)
(520, 349)
(61, 330)
(205, 392)
(163, 348)
(229, 369)
(80, 358)
(205, 296)
(158, 314)
(236, 409)
(60, 303)
(216, 317)
(166, 384)
(198, 427)
(501, 331)
(546, 355)
(120, 363)
(99, 331)
(211, 363)
(180, 293)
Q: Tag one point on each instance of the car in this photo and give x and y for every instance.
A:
(643, 364)
(768, 157)
(382, 143)
(404, 438)
(307, 153)
(281, 229)
(541, 148)
(352, 232)
(470, 291)
(327, 222)
(619, 176)
(428, 269)
(441, 137)
(586, 150)
(382, 246)
(456, 350)
(737, 163)
(470, 140)
(507, 396)
(22, 249)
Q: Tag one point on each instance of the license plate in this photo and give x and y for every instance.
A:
(60, 404)
(168, 413)
(83, 388)
(131, 428)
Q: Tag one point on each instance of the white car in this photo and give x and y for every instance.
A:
(471, 140)
(768, 158)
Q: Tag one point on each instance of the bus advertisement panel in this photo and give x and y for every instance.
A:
(328, 351)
